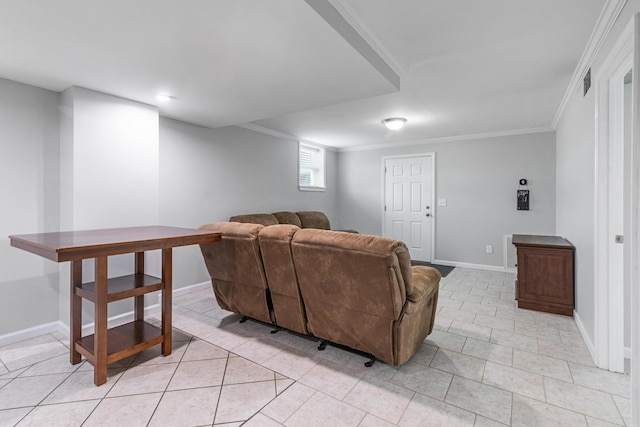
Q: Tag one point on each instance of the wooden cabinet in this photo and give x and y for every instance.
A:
(545, 279)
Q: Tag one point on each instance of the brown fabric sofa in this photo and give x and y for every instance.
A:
(355, 290)
(277, 256)
(303, 219)
(237, 272)
(361, 291)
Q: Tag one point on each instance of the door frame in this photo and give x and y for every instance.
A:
(634, 229)
(609, 286)
(433, 194)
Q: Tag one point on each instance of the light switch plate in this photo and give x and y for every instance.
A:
(442, 202)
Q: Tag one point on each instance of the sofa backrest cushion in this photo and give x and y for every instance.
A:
(353, 270)
(353, 287)
(287, 217)
(259, 218)
(275, 246)
(314, 219)
(236, 269)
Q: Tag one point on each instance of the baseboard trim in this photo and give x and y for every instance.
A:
(63, 327)
(25, 334)
(499, 268)
(585, 336)
(192, 288)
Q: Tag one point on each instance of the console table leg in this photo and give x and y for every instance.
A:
(75, 309)
(139, 300)
(100, 333)
(166, 301)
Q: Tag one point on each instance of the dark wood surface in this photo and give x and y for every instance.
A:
(543, 241)
(545, 274)
(123, 341)
(122, 287)
(106, 346)
(73, 245)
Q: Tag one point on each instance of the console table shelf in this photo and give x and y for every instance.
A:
(109, 345)
(122, 287)
(123, 341)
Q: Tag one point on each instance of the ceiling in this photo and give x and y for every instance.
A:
(322, 70)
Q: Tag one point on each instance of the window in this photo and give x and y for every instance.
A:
(311, 167)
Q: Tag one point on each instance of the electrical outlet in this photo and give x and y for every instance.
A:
(489, 249)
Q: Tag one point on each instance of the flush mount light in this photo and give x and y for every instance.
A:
(394, 123)
(164, 97)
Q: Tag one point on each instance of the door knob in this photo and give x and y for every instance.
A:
(428, 214)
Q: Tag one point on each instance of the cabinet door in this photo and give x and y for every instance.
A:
(547, 275)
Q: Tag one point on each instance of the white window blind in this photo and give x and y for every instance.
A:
(311, 167)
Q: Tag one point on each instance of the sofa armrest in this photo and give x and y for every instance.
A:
(425, 281)
(314, 219)
(419, 313)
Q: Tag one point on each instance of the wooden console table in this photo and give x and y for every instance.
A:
(545, 273)
(109, 345)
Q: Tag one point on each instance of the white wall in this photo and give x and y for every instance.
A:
(576, 179)
(82, 160)
(479, 179)
(575, 203)
(109, 177)
(30, 192)
(208, 175)
(115, 162)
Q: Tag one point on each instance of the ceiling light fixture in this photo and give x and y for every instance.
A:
(164, 97)
(394, 123)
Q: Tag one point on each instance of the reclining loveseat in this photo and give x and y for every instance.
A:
(355, 290)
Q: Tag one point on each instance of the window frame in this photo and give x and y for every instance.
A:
(318, 173)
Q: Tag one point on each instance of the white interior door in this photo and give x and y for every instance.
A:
(408, 203)
(613, 206)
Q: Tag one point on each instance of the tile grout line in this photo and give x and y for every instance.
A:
(404, 411)
(48, 394)
(168, 382)
(259, 411)
(536, 352)
(226, 364)
(5, 367)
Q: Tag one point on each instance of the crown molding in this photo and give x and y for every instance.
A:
(606, 21)
(282, 135)
(353, 19)
(447, 139)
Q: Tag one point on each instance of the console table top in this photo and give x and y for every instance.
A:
(82, 244)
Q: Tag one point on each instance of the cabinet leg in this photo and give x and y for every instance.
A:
(166, 301)
(75, 309)
(100, 333)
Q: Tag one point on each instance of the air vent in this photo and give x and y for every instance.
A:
(587, 82)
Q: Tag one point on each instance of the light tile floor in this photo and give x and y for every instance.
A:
(487, 363)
